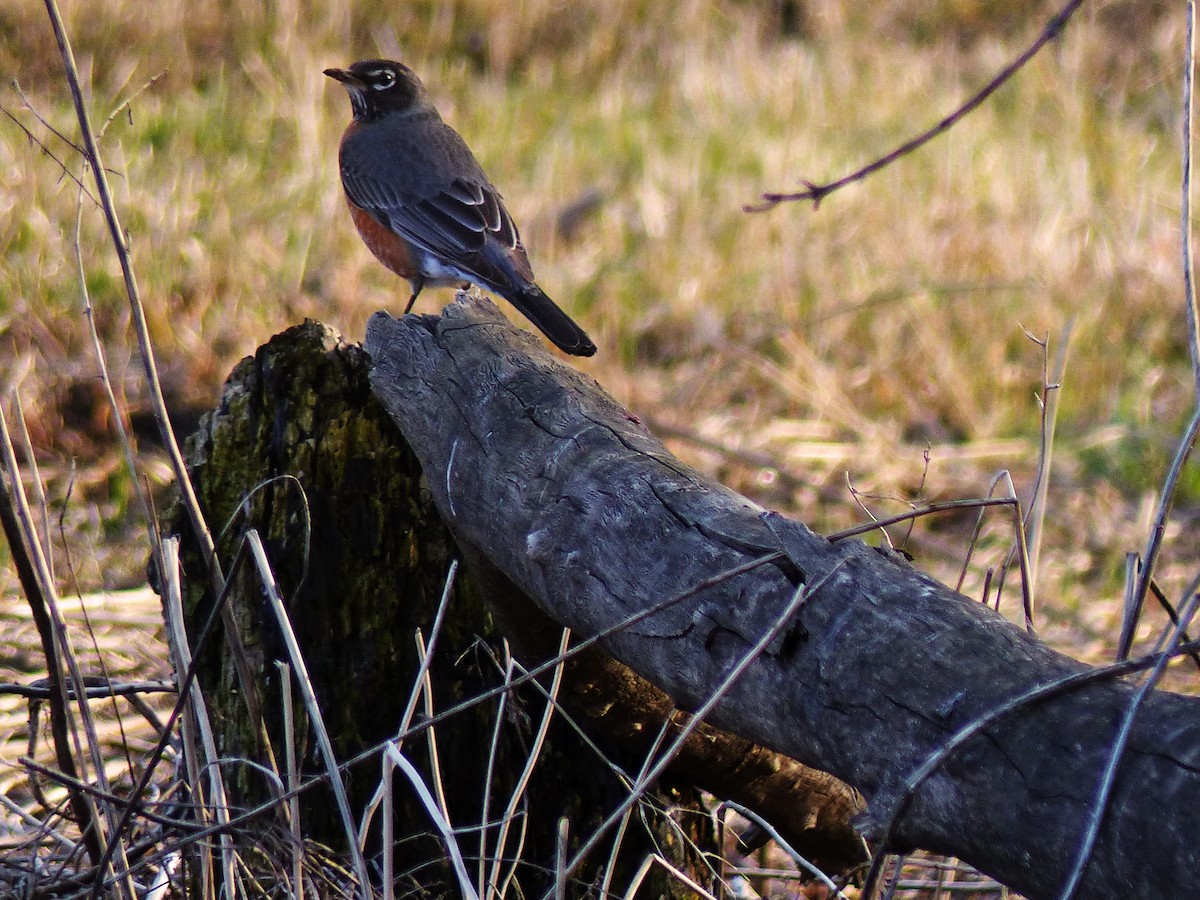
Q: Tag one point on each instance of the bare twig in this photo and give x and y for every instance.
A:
(610, 866)
(91, 152)
(644, 869)
(34, 139)
(968, 732)
(443, 827)
(817, 192)
(98, 688)
(414, 696)
(1157, 531)
(292, 771)
(62, 657)
(164, 738)
(267, 578)
(507, 667)
(188, 498)
(1173, 615)
(127, 103)
(35, 595)
(1048, 403)
(972, 503)
(600, 636)
(785, 846)
(106, 381)
(39, 493)
(858, 498)
(1100, 803)
(1003, 477)
(43, 121)
(198, 711)
(495, 886)
(1113, 671)
(919, 493)
(1185, 210)
(431, 744)
(801, 596)
(131, 807)
(387, 831)
(926, 510)
(560, 859)
(108, 797)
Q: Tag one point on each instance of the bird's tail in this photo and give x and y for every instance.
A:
(552, 321)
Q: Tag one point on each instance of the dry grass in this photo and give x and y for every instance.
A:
(825, 345)
(890, 318)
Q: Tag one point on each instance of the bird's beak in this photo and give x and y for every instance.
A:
(344, 76)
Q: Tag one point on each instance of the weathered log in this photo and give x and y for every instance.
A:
(568, 495)
(299, 449)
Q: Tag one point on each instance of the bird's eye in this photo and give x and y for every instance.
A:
(384, 79)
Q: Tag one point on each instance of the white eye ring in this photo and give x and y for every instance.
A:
(386, 78)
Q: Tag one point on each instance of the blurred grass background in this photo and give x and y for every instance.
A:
(784, 352)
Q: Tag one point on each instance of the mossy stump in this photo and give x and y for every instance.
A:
(300, 450)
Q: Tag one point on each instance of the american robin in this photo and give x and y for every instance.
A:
(423, 205)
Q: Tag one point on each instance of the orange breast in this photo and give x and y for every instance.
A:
(388, 247)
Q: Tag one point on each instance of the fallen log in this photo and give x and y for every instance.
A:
(567, 495)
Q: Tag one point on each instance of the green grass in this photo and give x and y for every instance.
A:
(840, 340)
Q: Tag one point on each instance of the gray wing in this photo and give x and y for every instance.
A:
(464, 225)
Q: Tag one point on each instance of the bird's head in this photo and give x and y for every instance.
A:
(379, 86)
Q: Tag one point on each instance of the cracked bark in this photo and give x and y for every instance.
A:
(585, 513)
(299, 449)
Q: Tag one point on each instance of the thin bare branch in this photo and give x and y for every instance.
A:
(414, 696)
(1052, 380)
(496, 887)
(927, 510)
(292, 770)
(41, 145)
(787, 848)
(156, 753)
(818, 192)
(271, 587)
(98, 689)
(649, 774)
(1185, 209)
(43, 121)
(127, 103)
(1158, 529)
(443, 827)
(1100, 804)
(198, 718)
(91, 152)
(1026, 700)
(32, 583)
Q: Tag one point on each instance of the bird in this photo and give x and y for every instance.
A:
(423, 205)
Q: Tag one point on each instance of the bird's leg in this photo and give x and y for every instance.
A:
(417, 283)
